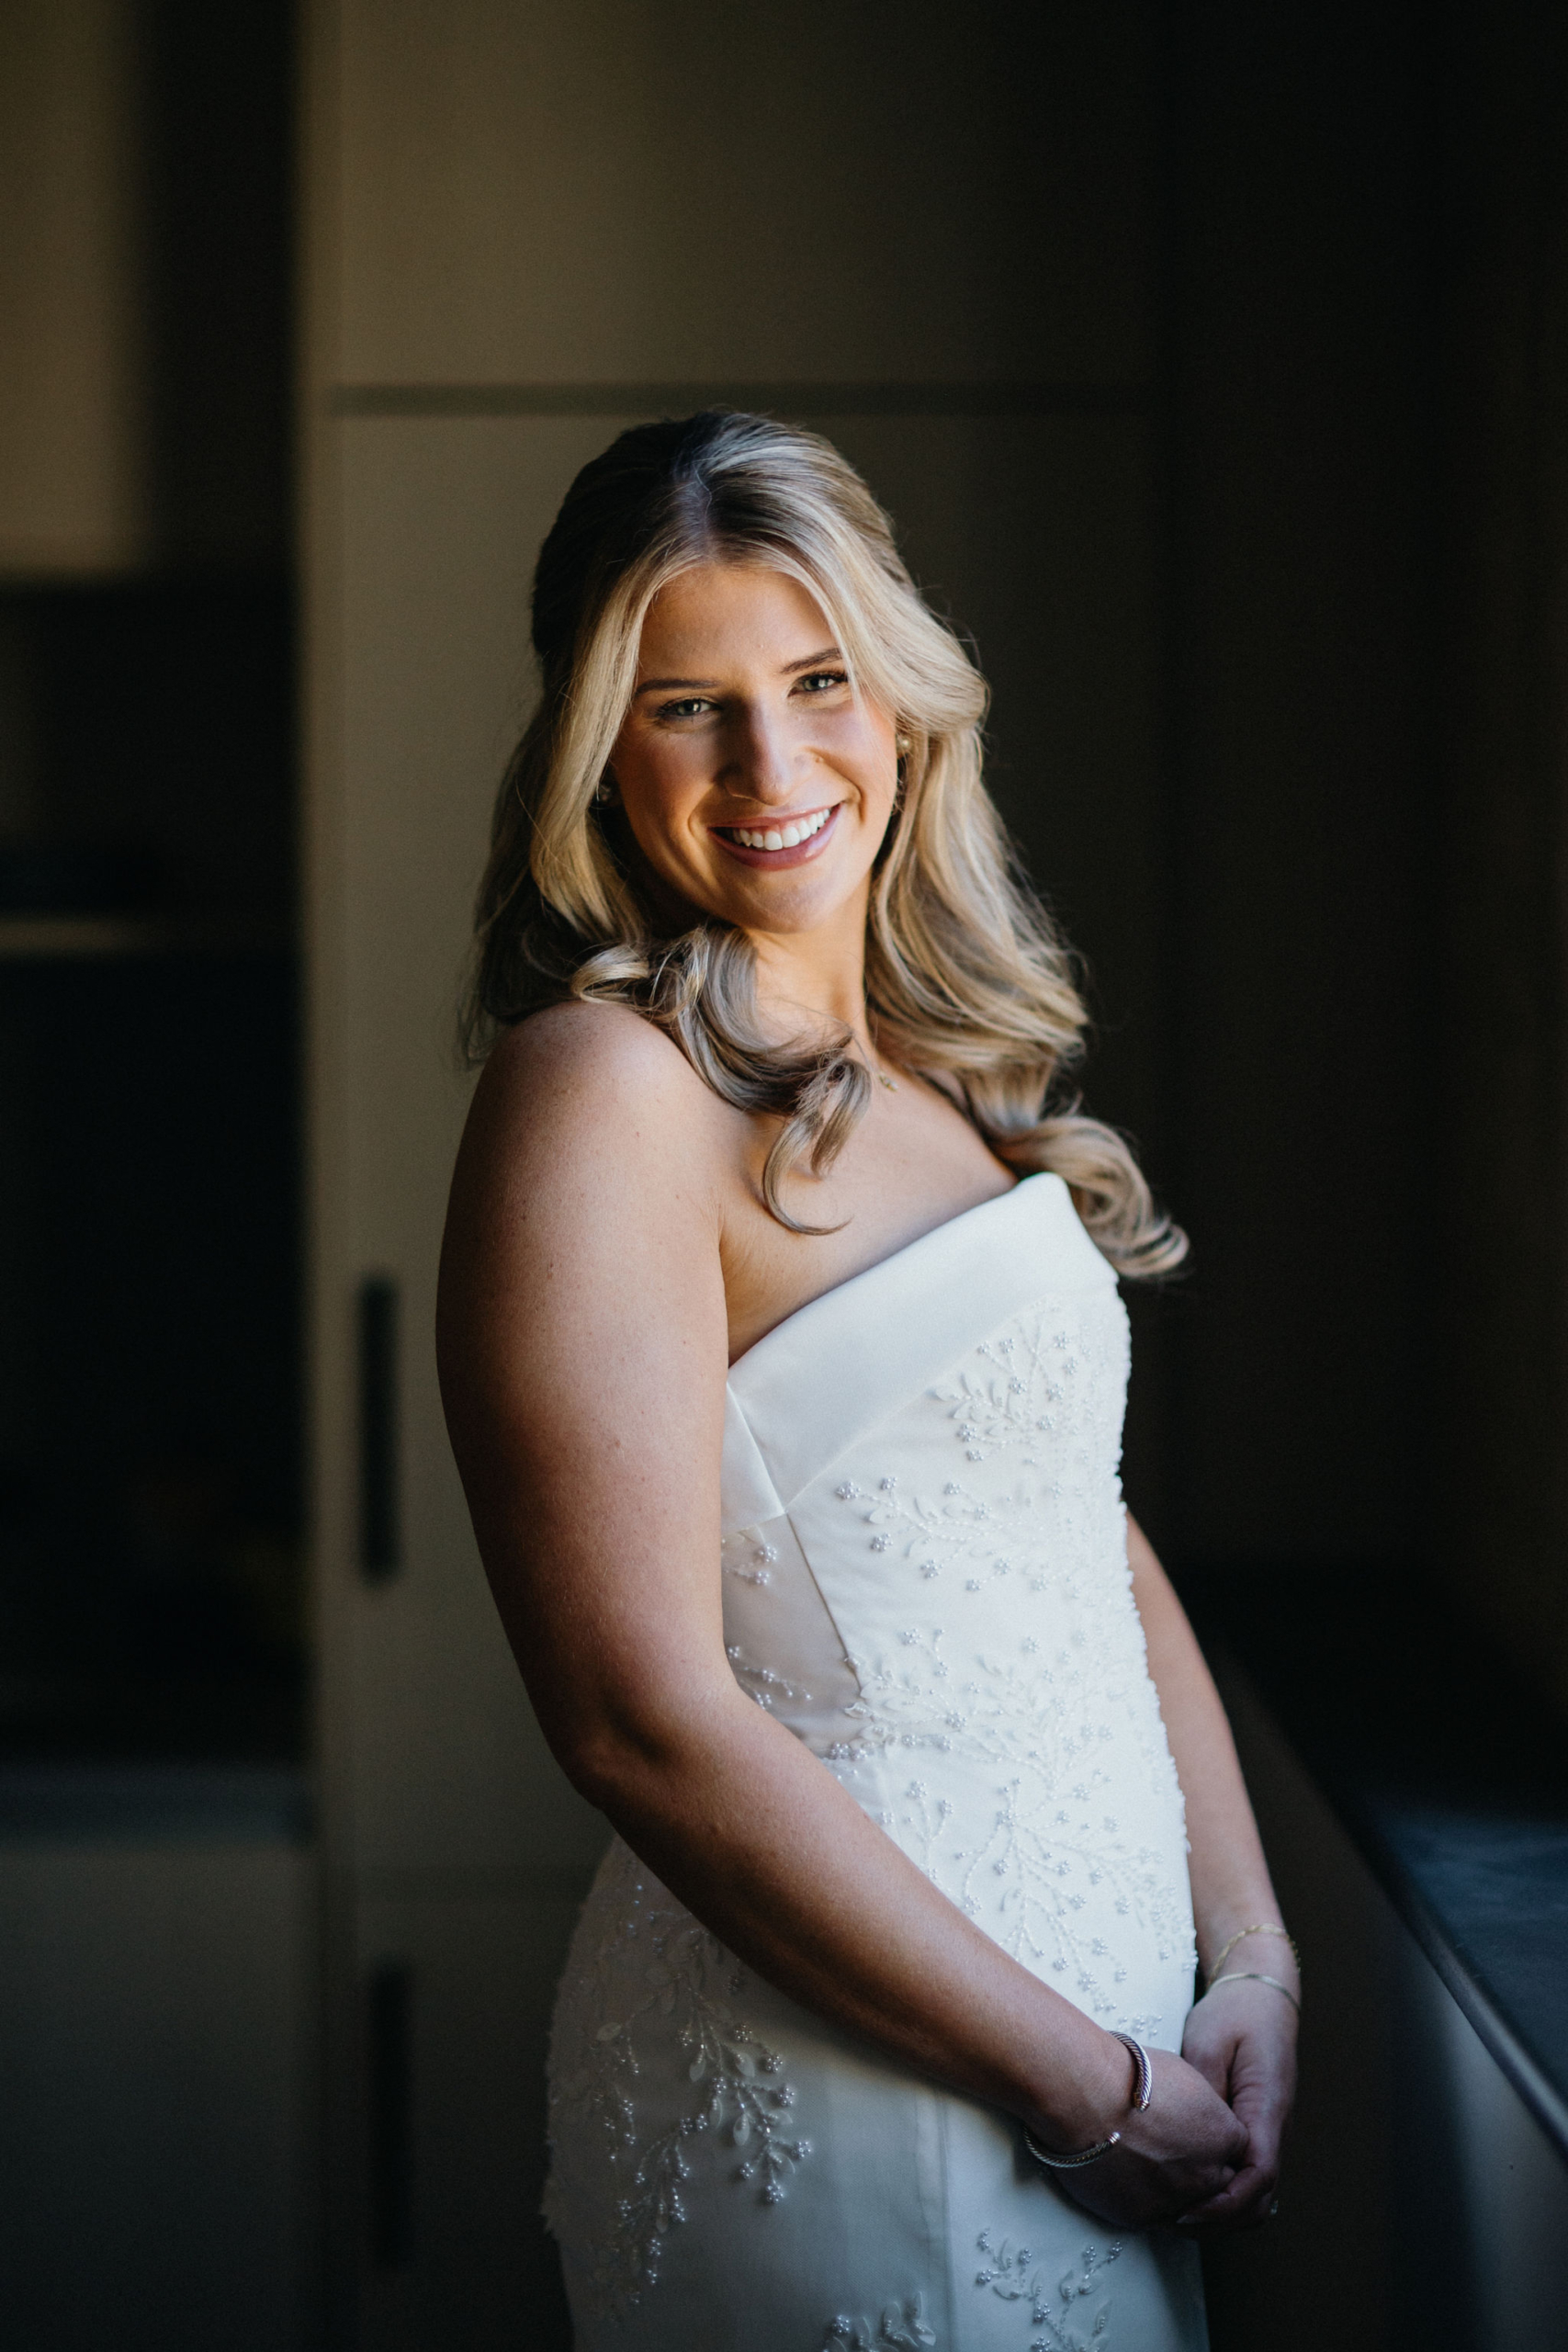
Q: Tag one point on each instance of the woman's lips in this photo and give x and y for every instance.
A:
(772, 859)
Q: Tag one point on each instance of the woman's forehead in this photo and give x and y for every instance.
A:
(732, 612)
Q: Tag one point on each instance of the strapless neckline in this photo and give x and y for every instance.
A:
(831, 1370)
(961, 1225)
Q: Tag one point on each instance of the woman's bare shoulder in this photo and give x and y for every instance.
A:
(578, 1083)
(595, 1055)
(586, 1193)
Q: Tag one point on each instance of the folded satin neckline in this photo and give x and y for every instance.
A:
(817, 1381)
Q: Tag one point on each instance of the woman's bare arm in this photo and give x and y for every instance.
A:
(582, 1342)
(1242, 2039)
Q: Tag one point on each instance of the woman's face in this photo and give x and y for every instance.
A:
(754, 781)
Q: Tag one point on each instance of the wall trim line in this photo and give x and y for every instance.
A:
(793, 399)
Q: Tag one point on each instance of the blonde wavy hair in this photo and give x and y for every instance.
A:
(967, 981)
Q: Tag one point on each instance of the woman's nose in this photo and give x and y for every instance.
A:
(761, 766)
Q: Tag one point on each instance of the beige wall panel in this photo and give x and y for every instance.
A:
(1031, 530)
(72, 386)
(441, 524)
(658, 190)
(480, 2273)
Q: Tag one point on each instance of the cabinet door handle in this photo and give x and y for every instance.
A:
(389, 2085)
(380, 1549)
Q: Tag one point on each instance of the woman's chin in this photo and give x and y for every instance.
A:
(779, 910)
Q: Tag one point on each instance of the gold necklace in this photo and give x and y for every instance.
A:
(878, 1072)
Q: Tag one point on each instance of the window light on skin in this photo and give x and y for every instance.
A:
(744, 725)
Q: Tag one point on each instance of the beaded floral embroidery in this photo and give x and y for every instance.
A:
(686, 1982)
(901, 2328)
(1013, 2273)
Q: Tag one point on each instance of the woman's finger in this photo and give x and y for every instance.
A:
(1246, 2198)
(1244, 2203)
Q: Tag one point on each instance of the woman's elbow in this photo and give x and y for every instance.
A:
(637, 1759)
(598, 1764)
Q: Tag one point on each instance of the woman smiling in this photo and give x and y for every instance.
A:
(784, 1363)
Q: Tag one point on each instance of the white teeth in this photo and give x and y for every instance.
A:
(788, 836)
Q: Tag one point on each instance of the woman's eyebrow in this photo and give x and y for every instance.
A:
(708, 686)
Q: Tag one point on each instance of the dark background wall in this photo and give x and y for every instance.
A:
(1502, 1342)
(151, 1578)
(1302, 840)
(218, 99)
(1360, 246)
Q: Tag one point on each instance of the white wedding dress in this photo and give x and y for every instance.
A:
(925, 1577)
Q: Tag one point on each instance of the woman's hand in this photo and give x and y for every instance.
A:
(1181, 2150)
(1242, 2039)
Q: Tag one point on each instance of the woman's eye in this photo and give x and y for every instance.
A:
(818, 681)
(689, 707)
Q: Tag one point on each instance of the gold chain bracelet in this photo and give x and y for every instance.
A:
(1262, 1927)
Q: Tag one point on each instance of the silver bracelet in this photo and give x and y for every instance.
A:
(1255, 1976)
(1140, 2099)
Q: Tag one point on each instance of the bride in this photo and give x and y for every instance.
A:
(784, 1363)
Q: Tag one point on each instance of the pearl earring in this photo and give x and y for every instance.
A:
(903, 745)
